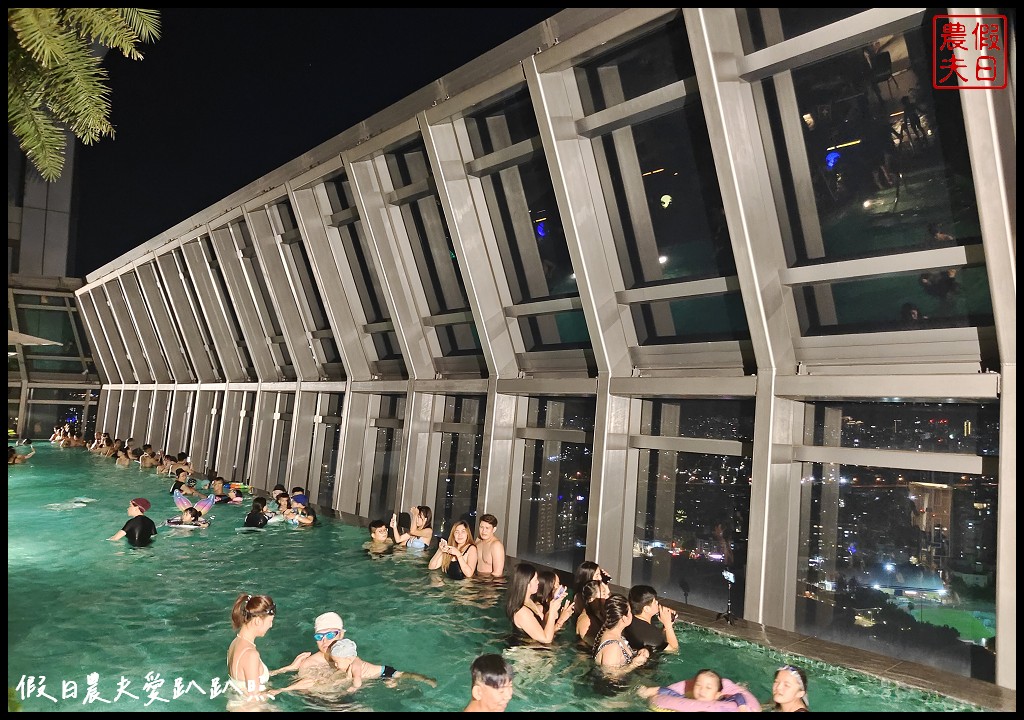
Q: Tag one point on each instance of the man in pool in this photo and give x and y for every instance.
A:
(338, 655)
(490, 551)
(492, 684)
(139, 529)
(379, 538)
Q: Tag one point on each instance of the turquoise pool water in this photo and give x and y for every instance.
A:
(79, 606)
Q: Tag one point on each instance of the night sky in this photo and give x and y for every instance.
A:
(226, 96)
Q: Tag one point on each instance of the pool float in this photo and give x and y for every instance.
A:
(674, 698)
(202, 506)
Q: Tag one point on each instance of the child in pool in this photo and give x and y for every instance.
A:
(190, 517)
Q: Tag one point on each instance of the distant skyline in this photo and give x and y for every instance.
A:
(226, 96)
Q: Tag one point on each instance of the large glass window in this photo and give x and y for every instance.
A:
(387, 457)
(923, 427)
(900, 562)
(555, 498)
(692, 508)
(326, 466)
(345, 219)
(458, 472)
(872, 161)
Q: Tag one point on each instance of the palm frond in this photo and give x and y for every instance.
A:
(56, 81)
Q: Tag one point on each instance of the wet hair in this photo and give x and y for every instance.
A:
(545, 587)
(376, 524)
(584, 574)
(616, 607)
(182, 456)
(181, 471)
(492, 670)
(446, 559)
(489, 519)
(593, 606)
(515, 595)
(247, 607)
(801, 676)
(708, 671)
(136, 453)
(191, 514)
(283, 498)
(640, 596)
(297, 490)
(259, 504)
(426, 513)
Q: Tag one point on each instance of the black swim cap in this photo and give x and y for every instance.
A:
(191, 482)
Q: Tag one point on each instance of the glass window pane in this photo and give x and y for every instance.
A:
(706, 419)
(923, 427)
(651, 62)
(773, 25)
(692, 512)
(899, 562)
(43, 418)
(555, 503)
(51, 325)
(556, 484)
(884, 154)
(428, 232)
(704, 318)
(941, 298)
(326, 468)
(555, 331)
(458, 476)
(668, 219)
(458, 339)
(386, 460)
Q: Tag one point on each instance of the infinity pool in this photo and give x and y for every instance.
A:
(86, 611)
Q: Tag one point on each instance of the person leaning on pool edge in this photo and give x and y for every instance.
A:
(139, 529)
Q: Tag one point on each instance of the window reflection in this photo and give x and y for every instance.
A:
(900, 562)
(709, 419)
(885, 154)
(923, 427)
(693, 319)
(555, 497)
(555, 331)
(521, 202)
(938, 298)
(691, 526)
(458, 473)
(386, 459)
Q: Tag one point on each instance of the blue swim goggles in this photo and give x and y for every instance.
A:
(329, 635)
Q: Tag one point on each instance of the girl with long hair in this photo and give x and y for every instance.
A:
(457, 556)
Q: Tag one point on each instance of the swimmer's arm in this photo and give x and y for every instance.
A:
(294, 664)
(118, 535)
(435, 562)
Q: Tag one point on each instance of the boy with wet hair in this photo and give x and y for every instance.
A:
(492, 684)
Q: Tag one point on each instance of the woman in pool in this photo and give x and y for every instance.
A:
(591, 619)
(612, 653)
(258, 516)
(587, 571)
(456, 556)
(707, 691)
(789, 690)
(420, 532)
(252, 617)
(526, 615)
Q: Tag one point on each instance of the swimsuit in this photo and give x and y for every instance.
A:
(240, 684)
(627, 653)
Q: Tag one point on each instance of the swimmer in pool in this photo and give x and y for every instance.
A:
(337, 659)
(140, 530)
(13, 458)
(420, 532)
